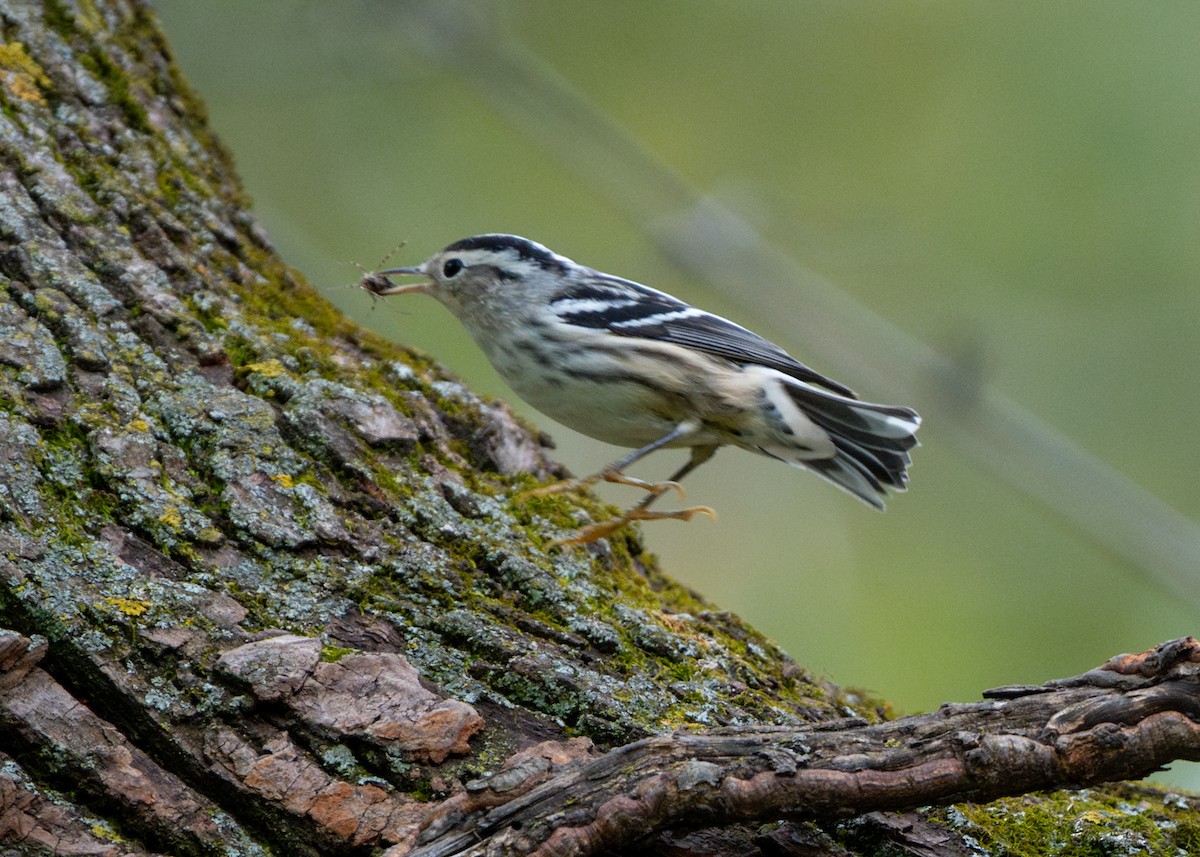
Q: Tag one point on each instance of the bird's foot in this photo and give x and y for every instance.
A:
(655, 489)
(595, 532)
(560, 487)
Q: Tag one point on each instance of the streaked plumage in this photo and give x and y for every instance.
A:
(636, 367)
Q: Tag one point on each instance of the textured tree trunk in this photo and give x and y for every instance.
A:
(268, 589)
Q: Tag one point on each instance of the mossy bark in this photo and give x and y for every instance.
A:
(230, 520)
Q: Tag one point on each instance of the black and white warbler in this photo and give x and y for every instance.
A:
(635, 367)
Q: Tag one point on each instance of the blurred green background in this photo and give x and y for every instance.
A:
(1015, 187)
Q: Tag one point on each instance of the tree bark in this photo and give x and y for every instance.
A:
(269, 588)
(1124, 719)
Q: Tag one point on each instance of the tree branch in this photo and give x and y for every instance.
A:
(1122, 720)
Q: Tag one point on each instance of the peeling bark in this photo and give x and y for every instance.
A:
(270, 587)
(1123, 720)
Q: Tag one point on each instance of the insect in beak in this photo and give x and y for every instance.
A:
(378, 283)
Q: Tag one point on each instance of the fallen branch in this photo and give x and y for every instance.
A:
(1124, 720)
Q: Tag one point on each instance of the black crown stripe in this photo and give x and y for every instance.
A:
(524, 248)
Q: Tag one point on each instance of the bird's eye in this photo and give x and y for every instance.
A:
(452, 267)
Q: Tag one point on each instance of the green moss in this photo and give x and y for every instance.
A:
(76, 498)
(332, 654)
(14, 58)
(268, 368)
(58, 18)
(24, 78)
(171, 189)
(77, 31)
(1114, 820)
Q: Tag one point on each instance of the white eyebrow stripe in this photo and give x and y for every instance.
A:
(661, 317)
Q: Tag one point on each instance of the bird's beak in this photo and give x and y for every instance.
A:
(381, 285)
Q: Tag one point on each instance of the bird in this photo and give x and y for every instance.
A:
(633, 366)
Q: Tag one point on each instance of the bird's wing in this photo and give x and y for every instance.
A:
(626, 308)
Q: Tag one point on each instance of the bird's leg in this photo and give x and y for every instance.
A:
(640, 512)
(615, 471)
(700, 454)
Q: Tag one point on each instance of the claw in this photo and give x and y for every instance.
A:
(657, 489)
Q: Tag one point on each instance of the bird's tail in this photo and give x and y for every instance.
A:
(872, 442)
